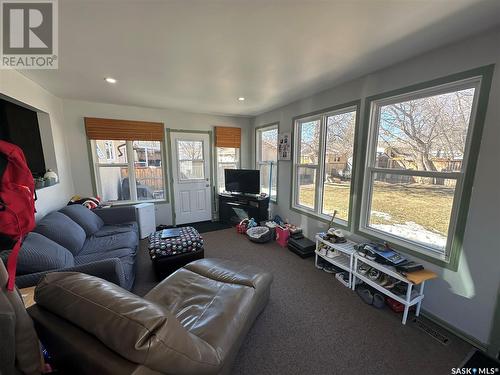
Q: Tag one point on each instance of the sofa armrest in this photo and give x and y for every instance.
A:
(116, 215)
(109, 269)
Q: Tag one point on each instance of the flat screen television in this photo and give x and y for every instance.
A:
(246, 181)
(19, 125)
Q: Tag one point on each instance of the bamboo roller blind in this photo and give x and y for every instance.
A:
(227, 137)
(102, 128)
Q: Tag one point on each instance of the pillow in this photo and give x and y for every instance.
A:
(61, 229)
(138, 330)
(84, 217)
(39, 253)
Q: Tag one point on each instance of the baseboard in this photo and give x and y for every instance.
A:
(457, 332)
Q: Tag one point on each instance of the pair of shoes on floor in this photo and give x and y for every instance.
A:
(371, 297)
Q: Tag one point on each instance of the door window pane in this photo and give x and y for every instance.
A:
(189, 150)
(426, 134)
(191, 170)
(340, 130)
(309, 134)
(306, 178)
(414, 208)
(111, 151)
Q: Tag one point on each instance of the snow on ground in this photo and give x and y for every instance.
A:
(382, 215)
(414, 232)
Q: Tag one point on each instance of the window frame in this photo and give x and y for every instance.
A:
(480, 79)
(258, 148)
(322, 115)
(96, 181)
(218, 164)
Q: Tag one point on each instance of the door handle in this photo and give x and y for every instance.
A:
(207, 185)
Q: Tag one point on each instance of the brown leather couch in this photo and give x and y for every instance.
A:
(193, 322)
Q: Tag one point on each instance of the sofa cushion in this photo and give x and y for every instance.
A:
(84, 217)
(138, 330)
(107, 230)
(96, 244)
(61, 229)
(215, 299)
(126, 257)
(40, 253)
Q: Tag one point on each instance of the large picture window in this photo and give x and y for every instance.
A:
(323, 163)
(128, 171)
(267, 159)
(417, 154)
(227, 158)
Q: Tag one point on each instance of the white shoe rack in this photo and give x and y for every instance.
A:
(346, 258)
(343, 255)
(412, 297)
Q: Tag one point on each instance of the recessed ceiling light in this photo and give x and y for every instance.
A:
(110, 80)
(241, 99)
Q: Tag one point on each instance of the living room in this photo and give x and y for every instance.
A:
(363, 130)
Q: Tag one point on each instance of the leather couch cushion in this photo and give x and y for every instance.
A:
(84, 217)
(137, 329)
(213, 299)
(28, 356)
(96, 244)
(39, 253)
(61, 229)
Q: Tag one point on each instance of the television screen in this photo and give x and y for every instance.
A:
(242, 180)
(19, 125)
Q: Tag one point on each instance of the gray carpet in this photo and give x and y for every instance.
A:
(315, 325)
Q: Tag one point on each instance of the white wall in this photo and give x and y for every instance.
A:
(14, 85)
(466, 298)
(75, 111)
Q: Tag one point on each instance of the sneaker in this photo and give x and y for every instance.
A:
(320, 264)
(363, 268)
(322, 251)
(331, 254)
(329, 268)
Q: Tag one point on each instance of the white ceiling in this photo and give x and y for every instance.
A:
(201, 55)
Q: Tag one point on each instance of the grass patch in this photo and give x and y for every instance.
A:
(427, 205)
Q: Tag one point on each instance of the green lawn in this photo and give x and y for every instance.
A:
(426, 205)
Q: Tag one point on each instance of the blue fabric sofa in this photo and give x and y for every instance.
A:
(101, 243)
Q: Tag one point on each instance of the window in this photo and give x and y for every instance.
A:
(415, 166)
(190, 157)
(267, 159)
(128, 171)
(323, 163)
(227, 158)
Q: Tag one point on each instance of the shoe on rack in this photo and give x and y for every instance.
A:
(330, 268)
(363, 268)
(331, 254)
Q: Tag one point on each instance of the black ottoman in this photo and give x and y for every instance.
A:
(170, 254)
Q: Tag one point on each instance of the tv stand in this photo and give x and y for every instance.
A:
(235, 207)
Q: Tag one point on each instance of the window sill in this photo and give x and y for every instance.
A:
(303, 211)
(132, 203)
(409, 248)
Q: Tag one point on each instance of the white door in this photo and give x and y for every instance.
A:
(191, 174)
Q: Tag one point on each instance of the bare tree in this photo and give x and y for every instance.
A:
(427, 128)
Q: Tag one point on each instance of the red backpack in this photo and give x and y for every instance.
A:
(17, 202)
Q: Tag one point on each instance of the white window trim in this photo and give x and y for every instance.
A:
(320, 167)
(131, 174)
(370, 168)
(259, 163)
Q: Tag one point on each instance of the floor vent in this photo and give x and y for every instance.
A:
(431, 331)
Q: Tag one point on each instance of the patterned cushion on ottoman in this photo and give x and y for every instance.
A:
(188, 241)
